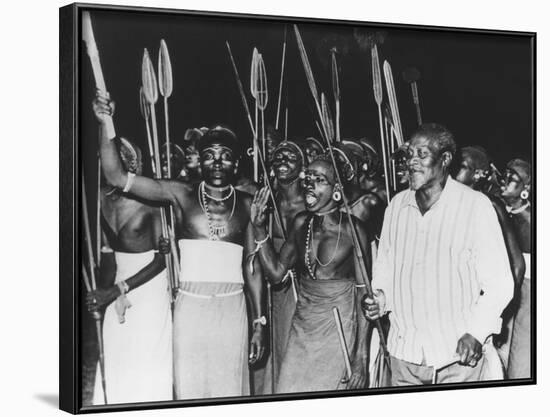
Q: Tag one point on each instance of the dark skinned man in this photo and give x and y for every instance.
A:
(516, 192)
(442, 272)
(320, 248)
(213, 230)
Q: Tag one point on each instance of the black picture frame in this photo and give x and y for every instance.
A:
(70, 210)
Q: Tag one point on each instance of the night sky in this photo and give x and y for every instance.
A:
(477, 84)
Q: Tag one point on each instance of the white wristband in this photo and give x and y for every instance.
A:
(129, 182)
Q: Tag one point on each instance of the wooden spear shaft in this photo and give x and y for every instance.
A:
(163, 220)
(343, 344)
(386, 179)
(91, 286)
(281, 83)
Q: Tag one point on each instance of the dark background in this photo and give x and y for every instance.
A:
(480, 85)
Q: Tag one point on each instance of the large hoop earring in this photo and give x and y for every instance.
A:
(524, 195)
(336, 195)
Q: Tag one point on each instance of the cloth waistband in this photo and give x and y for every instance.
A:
(209, 296)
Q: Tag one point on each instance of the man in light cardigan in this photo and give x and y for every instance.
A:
(442, 272)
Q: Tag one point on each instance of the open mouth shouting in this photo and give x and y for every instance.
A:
(311, 198)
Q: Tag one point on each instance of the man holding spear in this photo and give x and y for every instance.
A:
(286, 165)
(319, 246)
(212, 224)
(137, 340)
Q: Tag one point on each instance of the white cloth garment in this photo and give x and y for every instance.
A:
(443, 274)
(210, 322)
(138, 352)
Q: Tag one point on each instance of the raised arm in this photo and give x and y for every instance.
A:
(114, 171)
(275, 265)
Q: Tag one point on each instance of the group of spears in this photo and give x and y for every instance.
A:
(208, 281)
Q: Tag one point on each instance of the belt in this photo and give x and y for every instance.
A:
(205, 296)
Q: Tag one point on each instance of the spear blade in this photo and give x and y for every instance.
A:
(143, 105)
(93, 53)
(261, 87)
(240, 88)
(310, 78)
(254, 74)
(166, 83)
(376, 76)
(335, 78)
(148, 79)
(336, 92)
(327, 118)
(393, 102)
(307, 66)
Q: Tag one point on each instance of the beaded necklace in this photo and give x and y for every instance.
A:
(309, 246)
(217, 230)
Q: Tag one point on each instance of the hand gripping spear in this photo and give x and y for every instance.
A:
(356, 243)
(91, 286)
(254, 77)
(150, 94)
(91, 47)
(166, 86)
(378, 95)
(393, 103)
(260, 88)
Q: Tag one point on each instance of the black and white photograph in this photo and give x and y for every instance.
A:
(274, 208)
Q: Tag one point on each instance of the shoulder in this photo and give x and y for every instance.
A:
(300, 219)
(369, 200)
(480, 203)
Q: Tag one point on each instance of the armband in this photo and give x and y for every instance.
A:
(129, 182)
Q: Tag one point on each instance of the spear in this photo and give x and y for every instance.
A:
(145, 113)
(343, 344)
(241, 89)
(166, 86)
(254, 92)
(355, 238)
(262, 96)
(98, 212)
(336, 91)
(150, 93)
(327, 118)
(91, 286)
(281, 82)
(378, 96)
(309, 77)
(93, 53)
(260, 88)
(393, 103)
(411, 76)
(254, 136)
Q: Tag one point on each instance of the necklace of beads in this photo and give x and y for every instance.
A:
(216, 231)
(519, 209)
(309, 246)
(218, 199)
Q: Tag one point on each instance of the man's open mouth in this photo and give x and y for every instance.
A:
(283, 169)
(311, 199)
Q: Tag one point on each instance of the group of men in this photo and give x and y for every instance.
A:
(274, 278)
